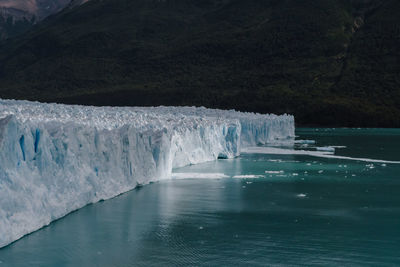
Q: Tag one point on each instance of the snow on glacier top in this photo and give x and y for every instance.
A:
(114, 117)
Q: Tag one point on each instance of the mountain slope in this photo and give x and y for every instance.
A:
(14, 21)
(17, 16)
(329, 62)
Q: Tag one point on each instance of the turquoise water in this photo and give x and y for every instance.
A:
(301, 210)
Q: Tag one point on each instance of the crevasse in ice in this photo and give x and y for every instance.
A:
(58, 158)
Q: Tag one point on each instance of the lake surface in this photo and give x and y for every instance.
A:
(278, 210)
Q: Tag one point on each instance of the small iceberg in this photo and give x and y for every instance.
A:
(326, 148)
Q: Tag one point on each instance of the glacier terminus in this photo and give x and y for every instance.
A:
(57, 158)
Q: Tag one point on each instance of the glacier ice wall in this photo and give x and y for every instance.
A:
(58, 158)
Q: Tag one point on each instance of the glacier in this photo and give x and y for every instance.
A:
(57, 158)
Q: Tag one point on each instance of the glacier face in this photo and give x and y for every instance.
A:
(58, 158)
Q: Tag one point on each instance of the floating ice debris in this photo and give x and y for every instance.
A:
(295, 174)
(301, 195)
(248, 176)
(283, 161)
(274, 172)
(320, 171)
(198, 175)
(274, 160)
(370, 166)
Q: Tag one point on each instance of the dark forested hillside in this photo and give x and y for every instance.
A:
(328, 62)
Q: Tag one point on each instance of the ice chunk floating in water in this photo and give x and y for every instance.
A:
(326, 148)
(58, 158)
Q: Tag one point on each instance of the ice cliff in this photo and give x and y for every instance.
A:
(58, 158)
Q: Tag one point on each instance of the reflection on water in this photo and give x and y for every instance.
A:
(280, 209)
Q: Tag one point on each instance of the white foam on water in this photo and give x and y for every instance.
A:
(319, 154)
